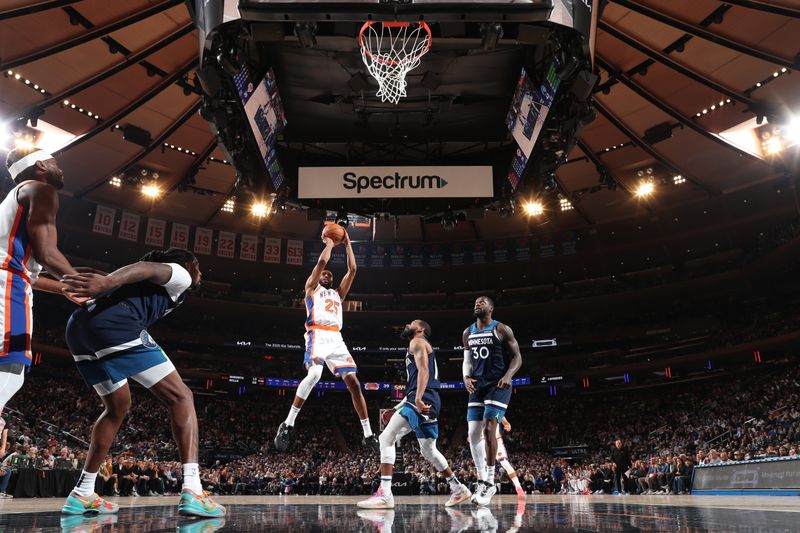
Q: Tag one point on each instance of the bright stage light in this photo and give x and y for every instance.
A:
(533, 209)
(151, 190)
(645, 188)
(259, 209)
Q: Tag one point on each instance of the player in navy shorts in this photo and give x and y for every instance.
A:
(418, 412)
(109, 341)
(491, 358)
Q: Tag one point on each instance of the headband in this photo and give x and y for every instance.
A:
(27, 162)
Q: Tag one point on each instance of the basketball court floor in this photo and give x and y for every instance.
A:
(424, 514)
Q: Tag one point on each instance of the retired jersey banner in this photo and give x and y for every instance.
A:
(378, 256)
(202, 240)
(129, 227)
(478, 252)
(362, 254)
(313, 249)
(396, 182)
(226, 243)
(547, 247)
(522, 249)
(104, 220)
(294, 252)
(500, 251)
(272, 250)
(569, 243)
(248, 248)
(180, 236)
(416, 255)
(435, 255)
(397, 255)
(457, 254)
(156, 232)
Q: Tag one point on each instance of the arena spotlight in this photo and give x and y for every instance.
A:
(449, 221)
(645, 189)
(534, 209)
(151, 190)
(678, 179)
(115, 182)
(259, 209)
(229, 205)
(565, 204)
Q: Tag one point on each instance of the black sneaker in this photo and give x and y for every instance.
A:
(283, 438)
(372, 443)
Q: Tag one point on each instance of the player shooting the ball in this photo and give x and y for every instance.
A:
(324, 343)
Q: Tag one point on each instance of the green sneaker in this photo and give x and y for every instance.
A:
(193, 504)
(88, 504)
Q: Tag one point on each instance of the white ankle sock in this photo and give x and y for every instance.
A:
(490, 474)
(453, 482)
(290, 418)
(366, 427)
(386, 485)
(85, 486)
(191, 478)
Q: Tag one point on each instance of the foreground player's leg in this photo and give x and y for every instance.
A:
(478, 449)
(83, 499)
(180, 402)
(489, 432)
(458, 491)
(284, 436)
(512, 475)
(360, 405)
(383, 498)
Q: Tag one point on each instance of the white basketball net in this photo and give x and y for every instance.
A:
(390, 51)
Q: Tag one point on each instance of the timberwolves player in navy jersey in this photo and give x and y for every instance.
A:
(109, 341)
(491, 358)
(418, 412)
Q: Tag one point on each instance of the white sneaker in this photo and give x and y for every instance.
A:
(485, 520)
(479, 488)
(460, 495)
(485, 497)
(379, 500)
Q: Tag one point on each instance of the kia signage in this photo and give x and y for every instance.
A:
(396, 182)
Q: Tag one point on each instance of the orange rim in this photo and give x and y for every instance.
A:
(369, 23)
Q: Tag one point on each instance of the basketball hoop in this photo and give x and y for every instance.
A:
(390, 50)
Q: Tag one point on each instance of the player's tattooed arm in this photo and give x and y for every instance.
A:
(511, 345)
(347, 280)
(90, 284)
(322, 262)
(466, 366)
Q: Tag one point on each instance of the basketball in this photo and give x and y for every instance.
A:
(333, 231)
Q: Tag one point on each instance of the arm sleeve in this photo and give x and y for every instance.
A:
(178, 282)
(466, 366)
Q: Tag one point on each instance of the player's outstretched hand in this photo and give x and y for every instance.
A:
(506, 425)
(422, 407)
(504, 382)
(328, 241)
(469, 384)
(78, 300)
(86, 285)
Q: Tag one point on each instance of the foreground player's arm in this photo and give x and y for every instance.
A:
(506, 424)
(466, 366)
(420, 352)
(43, 284)
(322, 262)
(89, 284)
(3, 441)
(516, 358)
(42, 201)
(347, 280)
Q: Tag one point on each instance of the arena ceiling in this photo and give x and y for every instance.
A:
(89, 68)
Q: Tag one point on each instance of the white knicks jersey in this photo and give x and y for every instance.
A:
(324, 309)
(15, 244)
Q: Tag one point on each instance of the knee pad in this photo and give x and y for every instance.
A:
(307, 385)
(433, 455)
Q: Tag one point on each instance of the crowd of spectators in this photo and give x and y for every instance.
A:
(662, 436)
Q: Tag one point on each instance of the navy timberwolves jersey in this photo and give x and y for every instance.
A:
(142, 303)
(489, 358)
(411, 373)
